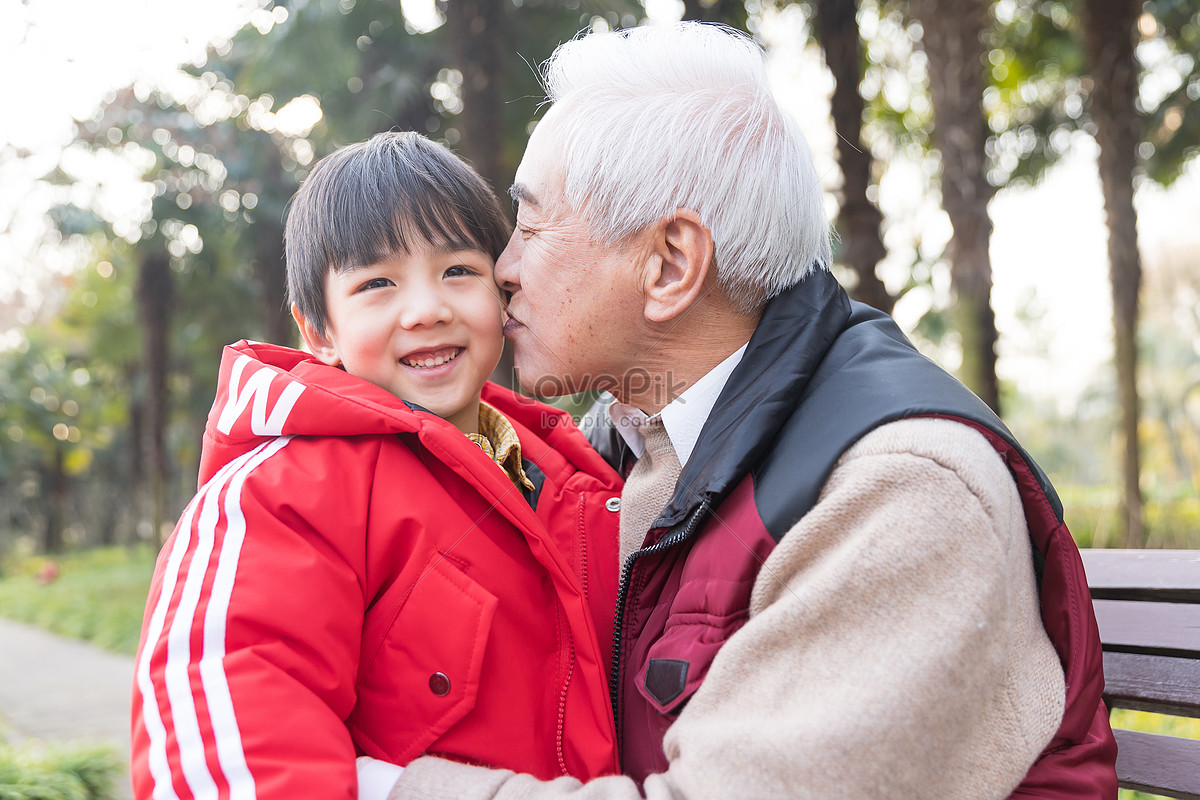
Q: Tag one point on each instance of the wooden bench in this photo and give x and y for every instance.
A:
(1148, 607)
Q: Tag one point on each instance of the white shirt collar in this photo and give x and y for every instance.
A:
(684, 417)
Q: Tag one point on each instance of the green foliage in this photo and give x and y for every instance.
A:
(895, 86)
(1093, 514)
(98, 595)
(1040, 87)
(64, 772)
(1036, 97)
(42, 394)
(1039, 90)
(65, 396)
(1172, 125)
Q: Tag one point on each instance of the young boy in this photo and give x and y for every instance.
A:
(378, 561)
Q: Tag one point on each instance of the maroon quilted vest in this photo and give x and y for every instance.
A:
(820, 373)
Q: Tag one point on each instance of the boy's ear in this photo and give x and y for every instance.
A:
(319, 344)
(678, 265)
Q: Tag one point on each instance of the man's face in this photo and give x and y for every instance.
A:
(576, 303)
(425, 326)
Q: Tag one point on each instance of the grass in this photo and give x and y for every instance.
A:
(1172, 516)
(98, 595)
(61, 772)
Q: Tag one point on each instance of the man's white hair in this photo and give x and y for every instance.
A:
(653, 119)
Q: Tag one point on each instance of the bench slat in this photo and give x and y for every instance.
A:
(1167, 765)
(1152, 683)
(1152, 628)
(1147, 605)
(1162, 575)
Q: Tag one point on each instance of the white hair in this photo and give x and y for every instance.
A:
(655, 119)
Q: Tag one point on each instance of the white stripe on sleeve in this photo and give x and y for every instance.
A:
(160, 769)
(222, 493)
(230, 753)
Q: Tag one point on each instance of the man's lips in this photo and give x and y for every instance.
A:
(511, 323)
(427, 359)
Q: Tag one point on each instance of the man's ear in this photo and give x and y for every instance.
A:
(319, 344)
(680, 261)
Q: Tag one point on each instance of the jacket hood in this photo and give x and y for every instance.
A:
(266, 390)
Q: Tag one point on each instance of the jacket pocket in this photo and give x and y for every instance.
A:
(423, 651)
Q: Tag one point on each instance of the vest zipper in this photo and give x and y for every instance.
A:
(614, 677)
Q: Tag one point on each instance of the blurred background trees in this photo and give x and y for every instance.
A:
(103, 395)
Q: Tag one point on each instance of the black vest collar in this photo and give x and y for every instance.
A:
(797, 328)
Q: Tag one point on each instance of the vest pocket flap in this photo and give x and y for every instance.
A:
(673, 671)
(422, 673)
(666, 679)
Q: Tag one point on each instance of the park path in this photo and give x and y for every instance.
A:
(59, 690)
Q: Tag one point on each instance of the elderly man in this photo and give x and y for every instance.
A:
(833, 555)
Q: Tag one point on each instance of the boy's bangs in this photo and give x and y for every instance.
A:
(439, 222)
(376, 224)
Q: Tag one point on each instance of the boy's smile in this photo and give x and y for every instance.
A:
(426, 326)
(428, 359)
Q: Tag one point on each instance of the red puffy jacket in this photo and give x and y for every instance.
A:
(355, 576)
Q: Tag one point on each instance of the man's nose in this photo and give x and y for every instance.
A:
(507, 277)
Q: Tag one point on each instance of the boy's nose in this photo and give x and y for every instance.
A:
(506, 272)
(424, 307)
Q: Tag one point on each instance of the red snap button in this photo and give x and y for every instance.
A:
(439, 684)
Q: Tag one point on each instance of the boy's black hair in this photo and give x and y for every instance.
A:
(391, 194)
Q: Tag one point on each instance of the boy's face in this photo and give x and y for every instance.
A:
(425, 326)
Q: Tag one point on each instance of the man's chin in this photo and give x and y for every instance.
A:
(539, 383)
(544, 386)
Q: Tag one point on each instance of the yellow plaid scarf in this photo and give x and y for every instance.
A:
(499, 441)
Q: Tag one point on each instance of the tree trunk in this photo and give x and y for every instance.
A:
(137, 465)
(1108, 32)
(727, 12)
(859, 219)
(156, 296)
(52, 537)
(953, 42)
(106, 525)
(269, 266)
(476, 30)
(271, 275)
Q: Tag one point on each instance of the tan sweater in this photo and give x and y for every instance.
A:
(894, 649)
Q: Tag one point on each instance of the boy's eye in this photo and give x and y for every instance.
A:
(375, 283)
(458, 271)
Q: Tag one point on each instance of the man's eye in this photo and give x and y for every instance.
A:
(525, 232)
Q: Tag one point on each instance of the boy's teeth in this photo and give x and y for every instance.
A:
(426, 363)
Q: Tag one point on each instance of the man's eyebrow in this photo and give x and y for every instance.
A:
(521, 194)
